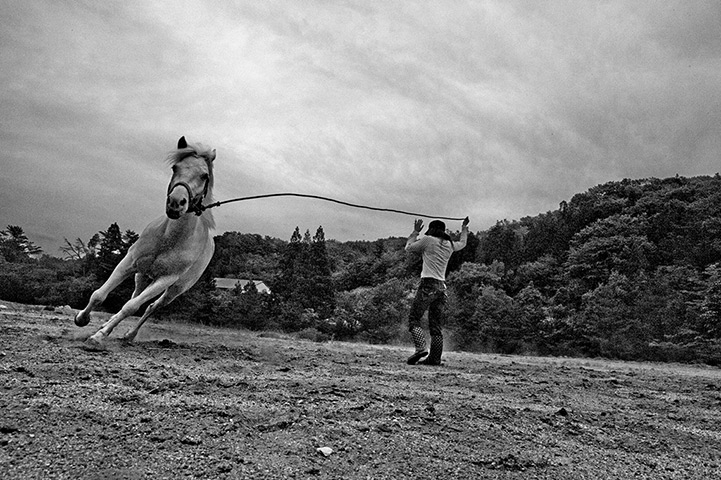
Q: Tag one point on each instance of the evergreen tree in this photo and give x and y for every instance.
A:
(304, 284)
(15, 246)
(323, 297)
(112, 247)
(284, 282)
(288, 283)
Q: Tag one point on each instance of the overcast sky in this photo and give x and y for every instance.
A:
(494, 109)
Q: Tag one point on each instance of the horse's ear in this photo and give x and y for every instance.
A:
(182, 143)
(212, 155)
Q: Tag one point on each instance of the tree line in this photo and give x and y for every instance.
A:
(629, 269)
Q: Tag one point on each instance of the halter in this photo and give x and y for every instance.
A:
(196, 202)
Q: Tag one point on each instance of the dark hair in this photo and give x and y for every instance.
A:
(438, 229)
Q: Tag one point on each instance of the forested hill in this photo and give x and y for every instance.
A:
(627, 269)
(627, 225)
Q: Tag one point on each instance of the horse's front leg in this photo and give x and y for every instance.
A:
(141, 283)
(122, 271)
(132, 306)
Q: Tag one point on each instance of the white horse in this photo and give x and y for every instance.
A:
(172, 252)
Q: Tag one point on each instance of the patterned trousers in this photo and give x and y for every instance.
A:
(431, 296)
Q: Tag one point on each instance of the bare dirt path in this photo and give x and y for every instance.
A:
(188, 401)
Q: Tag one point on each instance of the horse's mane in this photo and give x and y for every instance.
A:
(208, 154)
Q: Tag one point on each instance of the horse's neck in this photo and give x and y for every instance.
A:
(186, 226)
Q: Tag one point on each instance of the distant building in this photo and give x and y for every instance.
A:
(231, 283)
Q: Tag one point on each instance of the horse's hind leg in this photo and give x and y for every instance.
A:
(164, 299)
(121, 272)
(152, 291)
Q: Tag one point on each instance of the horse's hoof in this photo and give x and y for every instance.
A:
(93, 344)
(82, 320)
(129, 337)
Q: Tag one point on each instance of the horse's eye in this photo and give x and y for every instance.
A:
(205, 176)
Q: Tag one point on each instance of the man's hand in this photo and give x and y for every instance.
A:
(418, 225)
(465, 222)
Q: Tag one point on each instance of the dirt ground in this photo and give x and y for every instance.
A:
(189, 401)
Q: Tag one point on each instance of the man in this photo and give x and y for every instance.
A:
(437, 247)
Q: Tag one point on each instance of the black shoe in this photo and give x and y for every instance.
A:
(431, 362)
(413, 359)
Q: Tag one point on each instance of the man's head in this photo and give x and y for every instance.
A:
(437, 229)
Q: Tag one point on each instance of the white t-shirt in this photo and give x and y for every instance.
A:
(436, 252)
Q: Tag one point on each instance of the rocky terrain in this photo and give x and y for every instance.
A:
(185, 401)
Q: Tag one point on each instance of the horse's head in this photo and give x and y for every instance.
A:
(192, 179)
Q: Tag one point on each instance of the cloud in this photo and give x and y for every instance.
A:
(489, 109)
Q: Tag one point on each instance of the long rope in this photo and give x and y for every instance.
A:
(318, 197)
